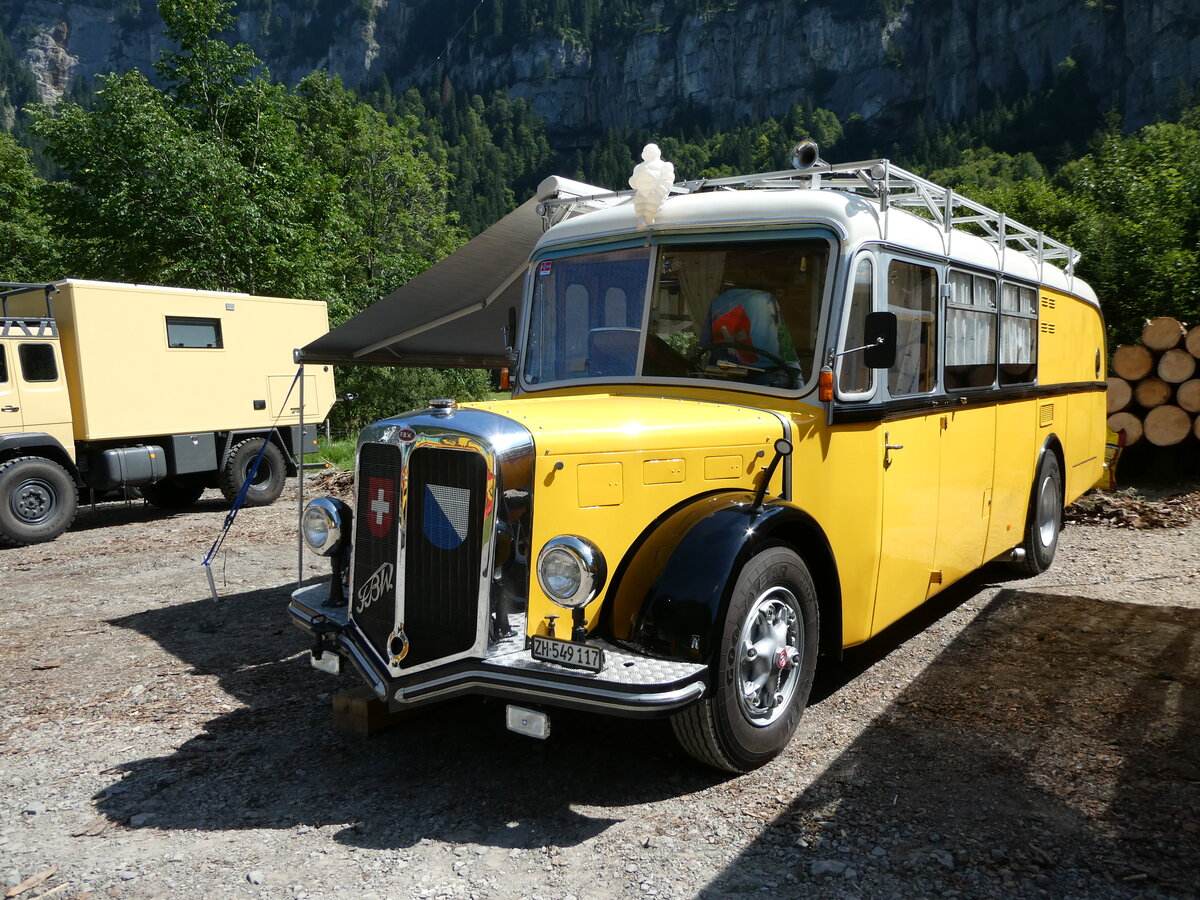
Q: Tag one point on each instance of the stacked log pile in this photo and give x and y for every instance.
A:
(1154, 394)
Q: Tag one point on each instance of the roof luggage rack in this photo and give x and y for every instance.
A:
(878, 180)
(27, 326)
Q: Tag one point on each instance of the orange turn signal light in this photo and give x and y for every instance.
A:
(825, 384)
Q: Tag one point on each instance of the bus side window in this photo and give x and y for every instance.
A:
(912, 296)
(853, 375)
(970, 332)
(1018, 334)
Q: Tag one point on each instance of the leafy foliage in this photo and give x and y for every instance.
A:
(226, 180)
(27, 248)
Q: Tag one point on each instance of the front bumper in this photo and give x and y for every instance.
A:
(629, 684)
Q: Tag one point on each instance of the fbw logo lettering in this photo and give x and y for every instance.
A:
(447, 516)
(380, 505)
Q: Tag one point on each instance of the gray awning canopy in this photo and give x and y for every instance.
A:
(452, 314)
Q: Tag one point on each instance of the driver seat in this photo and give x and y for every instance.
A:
(746, 316)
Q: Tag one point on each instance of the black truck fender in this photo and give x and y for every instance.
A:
(37, 443)
(674, 585)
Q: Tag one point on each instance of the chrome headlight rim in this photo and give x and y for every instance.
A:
(335, 517)
(593, 571)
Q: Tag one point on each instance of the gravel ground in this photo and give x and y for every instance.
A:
(1013, 738)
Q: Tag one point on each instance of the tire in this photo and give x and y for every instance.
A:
(772, 619)
(173, 493)
(1044, 521)
(268, 480)
(38, 501)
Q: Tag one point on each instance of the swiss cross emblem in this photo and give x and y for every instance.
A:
(380, 498)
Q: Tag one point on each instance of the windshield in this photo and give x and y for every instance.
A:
(744, 312)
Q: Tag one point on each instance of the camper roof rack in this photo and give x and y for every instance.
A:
(45, 325)
(876, 179)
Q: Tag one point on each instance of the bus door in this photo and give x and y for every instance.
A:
(910, 447)
(968, 426)
(10, 397)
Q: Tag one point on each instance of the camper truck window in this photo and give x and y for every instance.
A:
(204, 334)
(37, 362)
(3, 367)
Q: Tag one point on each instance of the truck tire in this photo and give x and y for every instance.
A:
(38, 501)
(764, 668)
(173, 493)
(268, 480)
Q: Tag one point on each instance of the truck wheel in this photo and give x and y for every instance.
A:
(173, 493)
(1044, 521)
(268, 480)
(764, 669)
(38, 501)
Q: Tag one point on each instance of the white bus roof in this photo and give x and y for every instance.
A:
(454, 313)
(853, 217)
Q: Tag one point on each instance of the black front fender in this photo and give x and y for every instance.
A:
(678, 579)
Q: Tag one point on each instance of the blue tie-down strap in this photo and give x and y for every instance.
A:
(240, 499)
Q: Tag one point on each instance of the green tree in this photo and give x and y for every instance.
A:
(27, 248)
(227, 180)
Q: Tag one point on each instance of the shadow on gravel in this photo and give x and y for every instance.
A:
(451, 773)
(111, 513)
(1050, 750)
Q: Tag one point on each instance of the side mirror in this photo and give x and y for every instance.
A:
(880, 333)
(510, 329)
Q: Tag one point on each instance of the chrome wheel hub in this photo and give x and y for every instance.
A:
(769, 655)
(1047, 512)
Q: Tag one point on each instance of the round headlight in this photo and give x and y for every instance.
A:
(571, 571)
(324, 524)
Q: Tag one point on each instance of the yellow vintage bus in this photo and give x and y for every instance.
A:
(753, 428)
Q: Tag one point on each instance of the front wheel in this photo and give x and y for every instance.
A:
(765, 667)
(268, 480)
(1044, 522)
(38, 501)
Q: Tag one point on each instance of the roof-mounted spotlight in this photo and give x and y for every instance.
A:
(805, 155)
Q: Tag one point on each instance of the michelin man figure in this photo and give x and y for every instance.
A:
(651, 180)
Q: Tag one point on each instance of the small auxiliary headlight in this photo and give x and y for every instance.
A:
(324, 524)
(571, 571)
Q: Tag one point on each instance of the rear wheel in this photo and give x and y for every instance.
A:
(38, 501)
(268, 478)
(173, 493)
(1044, 519)
(764, 670)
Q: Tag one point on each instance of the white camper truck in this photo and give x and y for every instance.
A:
(105, 386)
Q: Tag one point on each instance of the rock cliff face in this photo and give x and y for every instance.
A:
(941, 59)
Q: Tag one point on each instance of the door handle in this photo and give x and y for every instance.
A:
(887, 450)
(10, 409)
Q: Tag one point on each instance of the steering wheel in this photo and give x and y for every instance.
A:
(707, 350)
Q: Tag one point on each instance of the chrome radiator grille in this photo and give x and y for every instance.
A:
(377, 532)
(446, 491)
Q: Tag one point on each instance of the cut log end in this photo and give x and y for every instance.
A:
(1120, 392)
(1166, 426)
(1192, 341)
(1187, 396)
(1128, 423)
(1176, 366)
(1162, 333)
(1152, 392)
(1132, 362)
